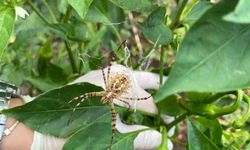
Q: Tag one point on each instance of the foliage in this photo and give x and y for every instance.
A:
(201, 46)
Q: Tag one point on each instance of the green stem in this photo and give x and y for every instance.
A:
(241, 121)
(116, 33)
(68, 48)
(67, 14)
(33, 7)
(80, 50)
(71, 57)
(161, 64)
(52, 15)
(164, 143)
(211, 110)
(176, 19)
(232, 108)
(177, 120)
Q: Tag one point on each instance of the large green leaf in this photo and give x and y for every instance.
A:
(213, 57)
(50, 114)
(87, 139)
(198, 140)
(154, 27)
(7, 20)
(50, 111)
(135, 5)
(81, 6)
(241, 14)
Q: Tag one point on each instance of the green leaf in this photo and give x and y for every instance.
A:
(197, 140)
(96, 15)
(50, 111)
(197, 11)
(81, 6)
(124, 141)
(241, 14)
(154, 27)
(88, 138)
(135, 5)
(7, 20)
(213, 57)
(197, 97)
(169, 106)
(212, 128)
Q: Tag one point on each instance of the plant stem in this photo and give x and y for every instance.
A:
(238, 123)
(80, 50)
(67, 14)
(161, 64)
(53, 17)
(33, 7)
(176, 19)
(71, 57)
(233, 107)
(177, 120)
(68, 48)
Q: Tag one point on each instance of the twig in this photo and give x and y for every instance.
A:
(71, 57)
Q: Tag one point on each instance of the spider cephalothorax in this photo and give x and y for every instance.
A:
(116, 86)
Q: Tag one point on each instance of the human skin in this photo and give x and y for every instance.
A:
(21, 137)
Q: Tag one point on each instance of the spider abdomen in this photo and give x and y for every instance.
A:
(119, 83)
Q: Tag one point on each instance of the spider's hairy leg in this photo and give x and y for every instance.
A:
(113, 114)
(82, 98)
(108, 74)
(78, 97)
(136, 98)
(125, 102)
(104, 79)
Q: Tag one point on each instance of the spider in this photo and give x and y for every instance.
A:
(116, 85)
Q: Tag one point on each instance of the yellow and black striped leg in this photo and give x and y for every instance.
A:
(113, 115)
(136, 98)
(104, 79)
(125, 102)
(82, 98)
